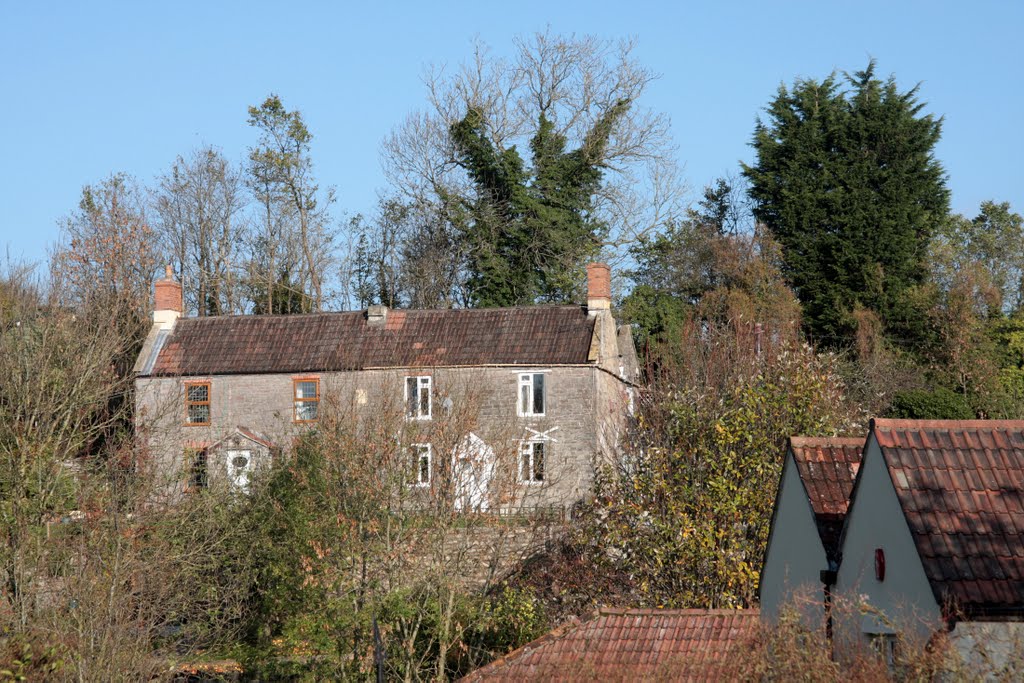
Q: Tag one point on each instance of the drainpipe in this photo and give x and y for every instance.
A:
(828, 580)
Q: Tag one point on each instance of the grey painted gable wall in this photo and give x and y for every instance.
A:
(875, 520)
(795, 555)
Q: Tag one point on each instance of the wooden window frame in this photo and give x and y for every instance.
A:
(197, 459)
(296, 401)
(208, 403)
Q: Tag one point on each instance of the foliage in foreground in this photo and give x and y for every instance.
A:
(688, 517)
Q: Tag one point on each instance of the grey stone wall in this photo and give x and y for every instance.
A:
(583, 420)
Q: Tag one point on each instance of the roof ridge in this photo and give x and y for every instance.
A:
(888, 423)
(825, 440)
(362, 311)
(663, 611)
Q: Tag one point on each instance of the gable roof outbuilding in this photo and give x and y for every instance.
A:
(961, 487)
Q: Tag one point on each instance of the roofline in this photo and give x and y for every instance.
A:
(883, 423)
(656, 611)
(362, 311)
(813, 441)
(574, 623)
(376, 367)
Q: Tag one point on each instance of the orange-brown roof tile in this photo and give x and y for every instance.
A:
(537, 335)
(828, 467)
(631, 645)
(961, 486)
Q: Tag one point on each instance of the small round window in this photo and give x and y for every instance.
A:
(240, 461)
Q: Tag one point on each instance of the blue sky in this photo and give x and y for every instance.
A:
(92, 88)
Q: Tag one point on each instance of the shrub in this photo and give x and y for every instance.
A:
(938, 404)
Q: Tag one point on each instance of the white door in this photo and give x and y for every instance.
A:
(239, 469)
(473, 470)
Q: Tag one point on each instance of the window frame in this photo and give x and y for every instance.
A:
(527, 455)
(421, 381)
(208, 403)
(296, 401)
(528, 379)
(418, 451)
(199, 468)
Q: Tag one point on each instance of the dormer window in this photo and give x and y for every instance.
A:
(417, 398)
(197, 403)
(531, 394)
(307, 399)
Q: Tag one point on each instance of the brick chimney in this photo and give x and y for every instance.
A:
(168, 300)
(599, 288)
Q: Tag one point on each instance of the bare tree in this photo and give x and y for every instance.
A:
(199, 204)
(107, 257)
(571, 83)
(296, 243)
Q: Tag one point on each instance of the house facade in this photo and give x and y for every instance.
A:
(932, 540)
(533, 396)
(803, 553)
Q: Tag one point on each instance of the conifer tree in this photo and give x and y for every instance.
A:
(847, 181)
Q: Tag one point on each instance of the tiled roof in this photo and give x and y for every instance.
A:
(961, 486)
(828, 468)
(631, 645)
(537, 335)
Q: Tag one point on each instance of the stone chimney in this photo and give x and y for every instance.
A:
(376, 315)
(168, 301)
(599, 288)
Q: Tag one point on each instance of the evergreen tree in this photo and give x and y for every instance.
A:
(847, 182)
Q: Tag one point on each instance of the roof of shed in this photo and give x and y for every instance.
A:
(535, 335)
(961, 487)
(828, 467)
(631, 644)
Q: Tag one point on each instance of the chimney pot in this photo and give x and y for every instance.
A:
(599, 287)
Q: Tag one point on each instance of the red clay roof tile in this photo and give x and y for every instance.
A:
(631, 645)
(961, 485)
(536, 335)
(828, 468)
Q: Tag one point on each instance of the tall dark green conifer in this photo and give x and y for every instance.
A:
(847, 182)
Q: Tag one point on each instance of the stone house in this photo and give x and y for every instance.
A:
(933, 539)
(802, 555)
(542, 392)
